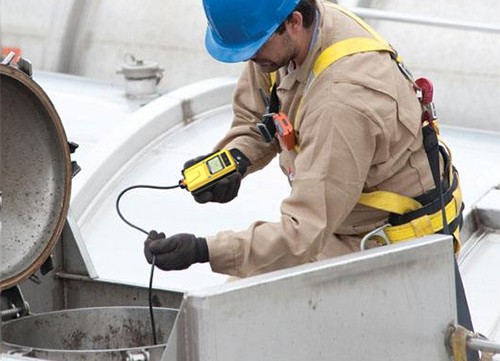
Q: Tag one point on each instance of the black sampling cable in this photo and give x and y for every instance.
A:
(150, 291)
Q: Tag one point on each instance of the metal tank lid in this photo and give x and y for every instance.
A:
(35, 176)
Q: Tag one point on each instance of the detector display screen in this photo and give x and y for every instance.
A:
(215, 165)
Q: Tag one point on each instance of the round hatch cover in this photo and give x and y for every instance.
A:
(35, 178)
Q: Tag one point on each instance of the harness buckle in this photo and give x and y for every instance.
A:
(378, 235)
(266, 128)
(406, 72)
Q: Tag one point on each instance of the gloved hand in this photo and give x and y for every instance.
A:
(177, 252)
(226, 189)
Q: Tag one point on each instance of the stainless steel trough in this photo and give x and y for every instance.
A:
(90, 334)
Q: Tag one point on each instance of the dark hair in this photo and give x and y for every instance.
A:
(308, 10)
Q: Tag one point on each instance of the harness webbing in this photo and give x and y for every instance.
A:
(345, 48)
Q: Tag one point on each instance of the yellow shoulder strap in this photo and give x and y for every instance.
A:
(342, 49)
(347, 47)
(353, 45)
(339, 50)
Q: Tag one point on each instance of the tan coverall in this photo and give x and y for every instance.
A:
(359, 130)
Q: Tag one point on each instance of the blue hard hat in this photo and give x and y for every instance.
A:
(238, 28)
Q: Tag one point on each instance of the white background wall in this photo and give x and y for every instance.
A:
(91, 37)
(464, 65)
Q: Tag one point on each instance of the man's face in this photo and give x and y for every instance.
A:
(277, 52)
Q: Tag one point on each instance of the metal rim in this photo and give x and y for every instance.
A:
(56, 123)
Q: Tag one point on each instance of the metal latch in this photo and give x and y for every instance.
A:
(75, 168)
(22, 64)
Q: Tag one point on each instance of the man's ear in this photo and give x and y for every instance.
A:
(294, 22)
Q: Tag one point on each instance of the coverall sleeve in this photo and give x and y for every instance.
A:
(248, 107)
(337, 145)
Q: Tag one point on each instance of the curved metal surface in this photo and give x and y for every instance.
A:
(150, 147)
(101, 333)
(35, 176)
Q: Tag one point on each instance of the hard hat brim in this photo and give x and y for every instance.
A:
(234, 53)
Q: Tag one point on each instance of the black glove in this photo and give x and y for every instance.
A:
(226, 189)
(176, 252)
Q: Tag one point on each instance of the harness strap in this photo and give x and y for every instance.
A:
(390, 202)
(431, 223)
(345, 48)
(432, 204)
(272, 78)
(274, 101)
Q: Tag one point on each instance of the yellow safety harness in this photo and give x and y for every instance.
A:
(409, 217)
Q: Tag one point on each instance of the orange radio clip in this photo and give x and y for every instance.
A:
(284, 130)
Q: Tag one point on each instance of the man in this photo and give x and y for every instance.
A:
(357, 126)
(359, 141)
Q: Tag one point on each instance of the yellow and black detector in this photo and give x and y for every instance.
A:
(209, 170)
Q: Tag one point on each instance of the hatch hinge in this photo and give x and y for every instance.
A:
(13, 304)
